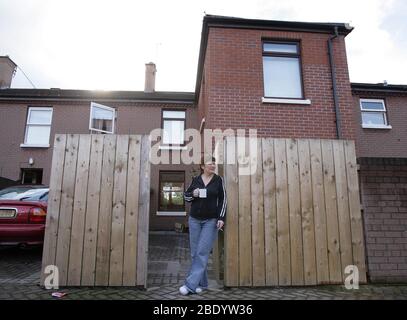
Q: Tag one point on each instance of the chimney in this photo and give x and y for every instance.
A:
(149, 85)
(7, 70)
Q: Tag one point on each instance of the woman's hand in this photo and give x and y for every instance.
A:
(195, 193)
(220, 224)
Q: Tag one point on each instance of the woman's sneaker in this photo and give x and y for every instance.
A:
(184, 290)
(198, 290)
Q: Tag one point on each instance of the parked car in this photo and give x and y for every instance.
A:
(23, 211)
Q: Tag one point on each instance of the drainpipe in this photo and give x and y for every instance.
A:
(334, 88)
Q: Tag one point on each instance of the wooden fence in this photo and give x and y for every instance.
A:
(98, 209)
(297, 220)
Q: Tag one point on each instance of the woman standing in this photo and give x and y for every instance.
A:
(207, 195)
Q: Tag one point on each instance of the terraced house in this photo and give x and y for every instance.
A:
(290, 82)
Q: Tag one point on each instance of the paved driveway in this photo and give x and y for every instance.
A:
(168, 264)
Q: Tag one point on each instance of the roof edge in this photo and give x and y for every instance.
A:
(378, 87)
(328, 27)
(71, 94)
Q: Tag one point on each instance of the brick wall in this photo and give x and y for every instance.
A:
(383, 184)
(383, 142)
(234, 86)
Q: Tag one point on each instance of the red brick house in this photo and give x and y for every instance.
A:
(285, 79)
(381, 135)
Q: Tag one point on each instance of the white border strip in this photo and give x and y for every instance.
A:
(286, 101)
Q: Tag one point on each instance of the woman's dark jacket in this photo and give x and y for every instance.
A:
(214, 205)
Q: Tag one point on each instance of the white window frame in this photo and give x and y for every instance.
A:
(184, 120)
(101, 106)
(297, 55)
(27, 125)
(384, 111)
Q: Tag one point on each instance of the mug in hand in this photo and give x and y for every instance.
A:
(202, 193)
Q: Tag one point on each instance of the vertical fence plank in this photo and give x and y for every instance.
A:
(105, 214)
(345, 235)
(334, 257)
(65, 218)
(245, 232)
(270, 212)
(92, 211)
(318, 199)
(132, 199)
(283, 222)
(355, 212)
(232, 227)
(257, 210)
(217, 252)
(79, 212)
(308, 228)
(294, 204)
(54, 201)
(144, 212)
(118, 214)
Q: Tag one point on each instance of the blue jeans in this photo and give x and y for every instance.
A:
(202, 234)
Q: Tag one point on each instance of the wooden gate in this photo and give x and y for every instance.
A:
(98, 208)
(297, 220)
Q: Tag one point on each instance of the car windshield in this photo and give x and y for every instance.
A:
(24, 194)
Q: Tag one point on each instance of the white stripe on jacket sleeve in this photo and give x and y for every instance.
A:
(225, 200)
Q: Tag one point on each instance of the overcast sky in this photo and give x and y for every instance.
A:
(86, 44)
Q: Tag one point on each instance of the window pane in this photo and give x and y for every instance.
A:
(173, 132)
(280, 47)
(282, 77)
(23, 193)
(102, 119)
(172, 191)
(172, 186)
(174, 114)
(38, 135)
(40, 116)
(372, 105)
(100, 124)
(31, 176)
(99, 113)
(373, 118)
(177, 198)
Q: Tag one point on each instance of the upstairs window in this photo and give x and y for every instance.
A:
(38, 127)
(173, 127)
(102, 118)
(373, 113)
(282, 70)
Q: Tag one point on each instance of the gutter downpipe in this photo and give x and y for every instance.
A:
(334, 88)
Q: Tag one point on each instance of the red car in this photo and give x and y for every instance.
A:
(23, 211)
